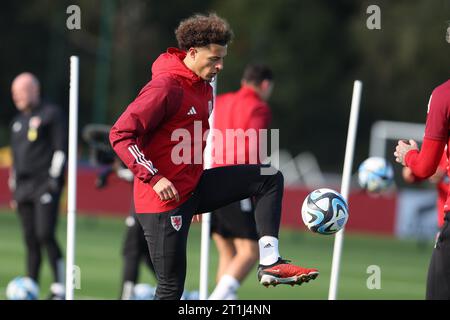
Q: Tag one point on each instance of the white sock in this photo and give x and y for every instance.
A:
(127, 290)
(227, 284)
(268, 250)
(61, 271)
(231, 296)
(58, 289)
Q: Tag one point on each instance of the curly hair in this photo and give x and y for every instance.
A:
(201, 30)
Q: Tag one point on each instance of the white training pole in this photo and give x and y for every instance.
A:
(72, 176)
(345, 185)
(206, 217)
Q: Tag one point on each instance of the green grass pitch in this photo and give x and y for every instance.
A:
(403, 264)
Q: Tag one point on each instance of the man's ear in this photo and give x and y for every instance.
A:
(192, 52)
(265, 84)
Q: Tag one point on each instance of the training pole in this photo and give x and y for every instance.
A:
(206, 217)
(72, 176)
(345, 185)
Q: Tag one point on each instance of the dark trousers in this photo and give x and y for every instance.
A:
(134, 251)
(438, 281)
(166, 233)
(39, 217)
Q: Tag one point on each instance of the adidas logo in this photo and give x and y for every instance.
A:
(268, 245)
(192, 111)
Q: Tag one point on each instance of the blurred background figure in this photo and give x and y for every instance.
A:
(38, 143)
(233, 227)
(423, 164)
(134, 249)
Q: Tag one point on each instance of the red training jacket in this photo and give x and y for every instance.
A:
(442, 189)
(242, 109)
(155, 135)
(424, 163)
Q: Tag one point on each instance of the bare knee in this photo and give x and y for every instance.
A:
(247, 249)
(225, 247)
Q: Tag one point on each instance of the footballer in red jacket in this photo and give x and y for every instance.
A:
(423, 164)
(233, 227)
(161, 137)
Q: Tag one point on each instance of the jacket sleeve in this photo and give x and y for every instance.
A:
(157, 101)
(260, 118)
(424, 163)
(58, 133)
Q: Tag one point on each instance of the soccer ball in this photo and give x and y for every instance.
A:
(143, 291)
(375, 175)
(190, 295)
(324, 211)
(22, 288)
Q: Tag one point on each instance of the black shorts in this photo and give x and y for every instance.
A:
(236, 220)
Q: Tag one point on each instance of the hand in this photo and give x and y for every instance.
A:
(12, 183)
(408, 175)
(166, 190)
(100, 181)
(102, 178)
(437, 176)
(53, 185)
(13, 204)
(402, 149)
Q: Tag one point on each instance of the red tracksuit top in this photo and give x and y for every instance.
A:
(150, 135)
(437, 135)
(242, 109)
(442, 189)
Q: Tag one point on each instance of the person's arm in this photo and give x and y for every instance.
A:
(424, 163)
(125, 174)
(12, 179)
(12, 182)
(441, 171)
(155, 103)
(58, 136)
(260, 118)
